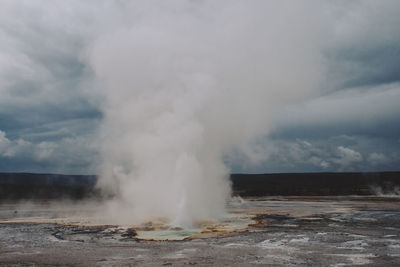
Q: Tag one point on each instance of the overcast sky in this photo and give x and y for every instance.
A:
(49, 116)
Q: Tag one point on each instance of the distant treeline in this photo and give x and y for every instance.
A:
(315, 184)
(54, 186)
(47, 186)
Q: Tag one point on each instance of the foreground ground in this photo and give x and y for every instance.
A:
(333, 231)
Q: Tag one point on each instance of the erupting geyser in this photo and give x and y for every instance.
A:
(183, 83)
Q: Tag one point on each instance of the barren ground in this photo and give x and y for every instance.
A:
(286, 231)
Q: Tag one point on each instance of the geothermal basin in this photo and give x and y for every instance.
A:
(275, 230)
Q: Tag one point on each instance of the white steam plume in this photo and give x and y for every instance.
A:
(183, 83)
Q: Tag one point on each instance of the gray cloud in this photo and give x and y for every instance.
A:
(365, 47)
(47, 120)
(369, 111)
(48, 115)
(67, 155)
(335, 153)
(347, 157)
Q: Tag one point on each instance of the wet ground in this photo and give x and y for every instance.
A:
(327, 231)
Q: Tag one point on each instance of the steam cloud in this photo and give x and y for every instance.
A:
(183, 83)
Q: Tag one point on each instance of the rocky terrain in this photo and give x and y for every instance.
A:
(281, 231)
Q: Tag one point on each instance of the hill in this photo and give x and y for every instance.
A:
(54, 186)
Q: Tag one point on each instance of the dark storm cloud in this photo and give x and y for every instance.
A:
(372, 112)
(354, 124)
(371, 66)
(48, 118)
(327, 154)
(365, 48)
(355, 129)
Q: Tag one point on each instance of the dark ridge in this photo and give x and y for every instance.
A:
(47, 186)
(315, 184)
(17, 186)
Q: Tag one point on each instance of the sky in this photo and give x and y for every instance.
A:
(50, 114)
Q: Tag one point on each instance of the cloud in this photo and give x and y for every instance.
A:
(365, 48)
(318, 162)
(63, 156)
(347, 157)
(47, 103)
(9, 149)
(377, 158)
(358, 111)
(5, 145)
(335, 153)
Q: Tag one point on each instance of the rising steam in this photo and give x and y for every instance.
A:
(185, 82)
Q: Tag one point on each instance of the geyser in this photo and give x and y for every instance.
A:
(183, 83)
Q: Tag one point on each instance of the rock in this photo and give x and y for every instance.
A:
(130, 232)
